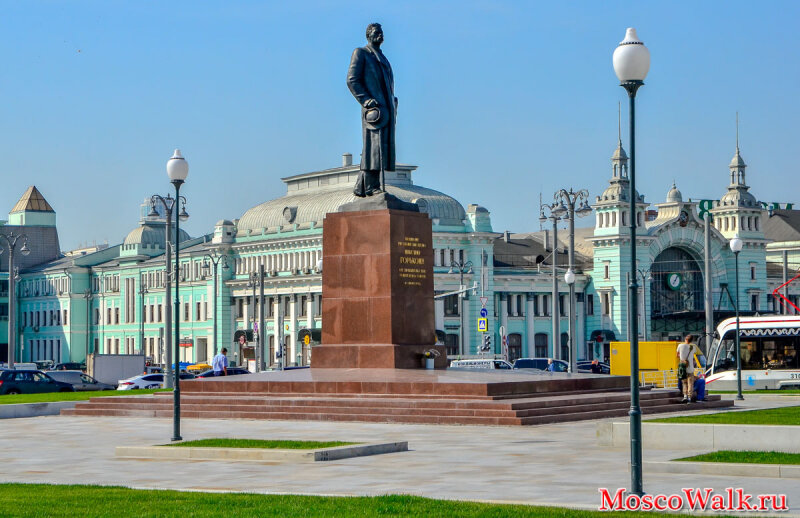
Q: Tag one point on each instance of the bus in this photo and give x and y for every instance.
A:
(769, 349)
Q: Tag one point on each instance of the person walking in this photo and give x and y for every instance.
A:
(220, 363)
(685, 354)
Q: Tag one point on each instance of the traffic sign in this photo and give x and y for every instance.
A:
(484, 313)
(484, 300)
(307, 339)
(483, 325)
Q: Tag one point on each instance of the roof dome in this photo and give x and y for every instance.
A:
(311, 206)
(617, 191)
(151, 234)
(737, 160)
(674, 195)
(737, 197)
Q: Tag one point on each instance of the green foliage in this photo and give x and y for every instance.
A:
(773, 416)
(259, 443)
(747, 457)
(38, 500)
(50, 397)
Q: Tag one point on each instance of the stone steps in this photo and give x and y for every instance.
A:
(400, 408)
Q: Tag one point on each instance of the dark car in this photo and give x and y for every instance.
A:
(586, 366)
(80, 382)
(69, 366)
(30, 382)
(232, 371)
(540, 364)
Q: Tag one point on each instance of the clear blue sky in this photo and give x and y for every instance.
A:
(498, 100)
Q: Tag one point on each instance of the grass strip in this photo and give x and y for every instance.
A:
(786, 416)
(37, 500)
(259, 443)
(50, 397)
(747, 457)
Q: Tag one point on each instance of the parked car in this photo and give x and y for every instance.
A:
(44, 365)
(540, 364)
(487, 363)
(586, 366)
(80, 382)
(232, 371)
(30, 382)
(69, 366)
(148, 381)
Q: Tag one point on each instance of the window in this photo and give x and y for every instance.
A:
(205, 309)
(66, 319)
(108, 317)
(590, 304)
(116, 316)
(514, 346)
(451, 306)
(240, 308)
(606, 271)
(186, 314)
(562, 305)
(271, 307)
(754, 302)
(752, 272)
(197, 311)
(606, 298)
(152, 312)
(546, 307)
(303, 303)
(540, 345)
(564, 346)
(160, 313)
(536, 305)
(451, 343)
(287, 306)
(96, 316)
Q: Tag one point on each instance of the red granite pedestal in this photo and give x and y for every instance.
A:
(377, 285)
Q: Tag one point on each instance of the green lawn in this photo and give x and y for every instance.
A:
(774, 416)
(260, 443)
(747, 457)
(49, 397)
(36, 500)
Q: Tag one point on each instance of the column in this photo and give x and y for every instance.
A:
(292, 330)
(438, 306)
(529, 327)
(504, 310)
(310, 311)
(276, 325)
(465, 326)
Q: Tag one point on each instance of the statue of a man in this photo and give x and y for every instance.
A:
(371, 82)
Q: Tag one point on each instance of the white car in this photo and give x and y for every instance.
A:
(148, 381)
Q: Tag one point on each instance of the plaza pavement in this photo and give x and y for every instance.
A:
(557, 464)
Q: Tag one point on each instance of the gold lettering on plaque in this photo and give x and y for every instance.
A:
(412, 270)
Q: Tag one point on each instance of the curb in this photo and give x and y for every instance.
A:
(688, 436)
(258, 454)
(16, 410)
(726, 468)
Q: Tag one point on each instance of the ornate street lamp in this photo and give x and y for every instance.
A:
(736, 245)
(10, 242)
(555, 211)
(631, 64)
(461, 267)
(569, 199)
(177, 170)
(212, 260)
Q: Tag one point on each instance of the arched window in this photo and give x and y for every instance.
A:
(755, 222)
(514, 346)
(624, 218)
(565, 346)
(540, 345)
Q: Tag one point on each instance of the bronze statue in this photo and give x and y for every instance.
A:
(371, 82)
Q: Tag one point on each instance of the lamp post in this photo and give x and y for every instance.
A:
(10, 241)
(169, 203)
(87, 296)
(212, 260)
(736, 245)
(257, 281)
(142, 292)
(646, 276)
(177, 170)
(570, 199)
(631, 63)
(556, 213)
(461, 267)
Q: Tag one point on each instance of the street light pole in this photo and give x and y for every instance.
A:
(571, 198)
(177, 170)
(461, 267)
(736, 245)
(212, 260)
(556, 212)
(631, 63)
(142, 292)
(10, 240)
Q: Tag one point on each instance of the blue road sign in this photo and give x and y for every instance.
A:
(483, 325)
(484, 313)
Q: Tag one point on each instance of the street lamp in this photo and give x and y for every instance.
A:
(568, 211)
(169, 203)
(212, 260)
(631, 63)
(177, 170)
(556, 211)
(10, 241)
(257, 281)
(736, 245)
(461, 267)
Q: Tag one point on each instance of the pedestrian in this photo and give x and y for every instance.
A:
(220, 363)
(685, 354)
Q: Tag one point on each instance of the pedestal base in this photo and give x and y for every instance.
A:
(375, 356)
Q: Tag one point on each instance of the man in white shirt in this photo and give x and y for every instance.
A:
(685, 355)
(220, 363)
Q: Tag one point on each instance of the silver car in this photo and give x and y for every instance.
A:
(79, 381)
